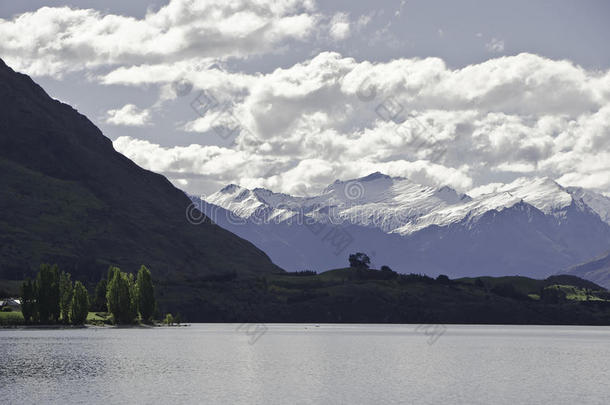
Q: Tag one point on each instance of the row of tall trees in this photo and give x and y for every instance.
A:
(126, 297)
(52, 297)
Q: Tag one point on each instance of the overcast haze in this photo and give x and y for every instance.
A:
(291, 95)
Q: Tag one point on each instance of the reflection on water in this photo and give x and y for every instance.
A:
(307, 364)
(42, 358)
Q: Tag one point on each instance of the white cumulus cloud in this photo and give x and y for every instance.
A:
(302, 127)
(128, 115)
(55, 40)
(340, 27)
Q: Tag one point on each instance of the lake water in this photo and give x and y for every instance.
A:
(305, 364)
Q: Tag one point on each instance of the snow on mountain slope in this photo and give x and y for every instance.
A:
(471, 210)
(246, 203)
(392, 204)
(598, 202)
(376, 200)
(541, 193)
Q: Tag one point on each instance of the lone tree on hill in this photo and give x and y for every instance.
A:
(359, 261)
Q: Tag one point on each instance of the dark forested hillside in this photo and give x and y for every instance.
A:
(67, 197)
(377, 296)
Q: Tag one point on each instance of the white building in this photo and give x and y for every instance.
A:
(13, 303)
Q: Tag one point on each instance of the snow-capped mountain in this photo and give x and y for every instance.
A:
(376, 200)
(598, 203)
(531, 227)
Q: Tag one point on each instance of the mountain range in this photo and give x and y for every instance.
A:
(532, 227)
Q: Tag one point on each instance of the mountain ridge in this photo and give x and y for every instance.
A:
(596, 270)
(395, 217)
(68, 197)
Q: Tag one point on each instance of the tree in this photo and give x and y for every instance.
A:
(145, 293)
(386, 268)
(79, 307)
(47, 293)
(132, 310)
(112, 270)
(65, 296)
(169, 320)
(553, 295)
(99, 299)
(443, 279)
(359, 261)
(508, 290)
(119, 297)
(28, 301)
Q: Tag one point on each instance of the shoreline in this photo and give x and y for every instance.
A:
(316, 324)
(51, 327)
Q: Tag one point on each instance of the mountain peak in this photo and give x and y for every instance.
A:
(230, 188)
(260, 191)
(541, 192)
(375, 176)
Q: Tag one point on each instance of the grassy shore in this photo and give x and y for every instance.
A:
(99, 318)
(11, 318)
(96, 319)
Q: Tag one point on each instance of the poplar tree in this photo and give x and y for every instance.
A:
(47, 293)
(65, 296)
(79, 307)
(28, 301)
(118, 297)
(145, 293)
(99, 300)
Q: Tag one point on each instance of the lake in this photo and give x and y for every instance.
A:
(308, 364)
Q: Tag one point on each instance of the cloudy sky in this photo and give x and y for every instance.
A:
(291, 95)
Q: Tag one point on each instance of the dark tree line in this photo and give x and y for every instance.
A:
(52, 298)
(126, 297)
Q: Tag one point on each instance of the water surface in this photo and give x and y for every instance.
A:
(305, 364)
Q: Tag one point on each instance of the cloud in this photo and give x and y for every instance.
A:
(495, 45)
(339, 27)
(398, 12)
(128, 115)
(298, 128)
(302, 127)
(55, 40)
